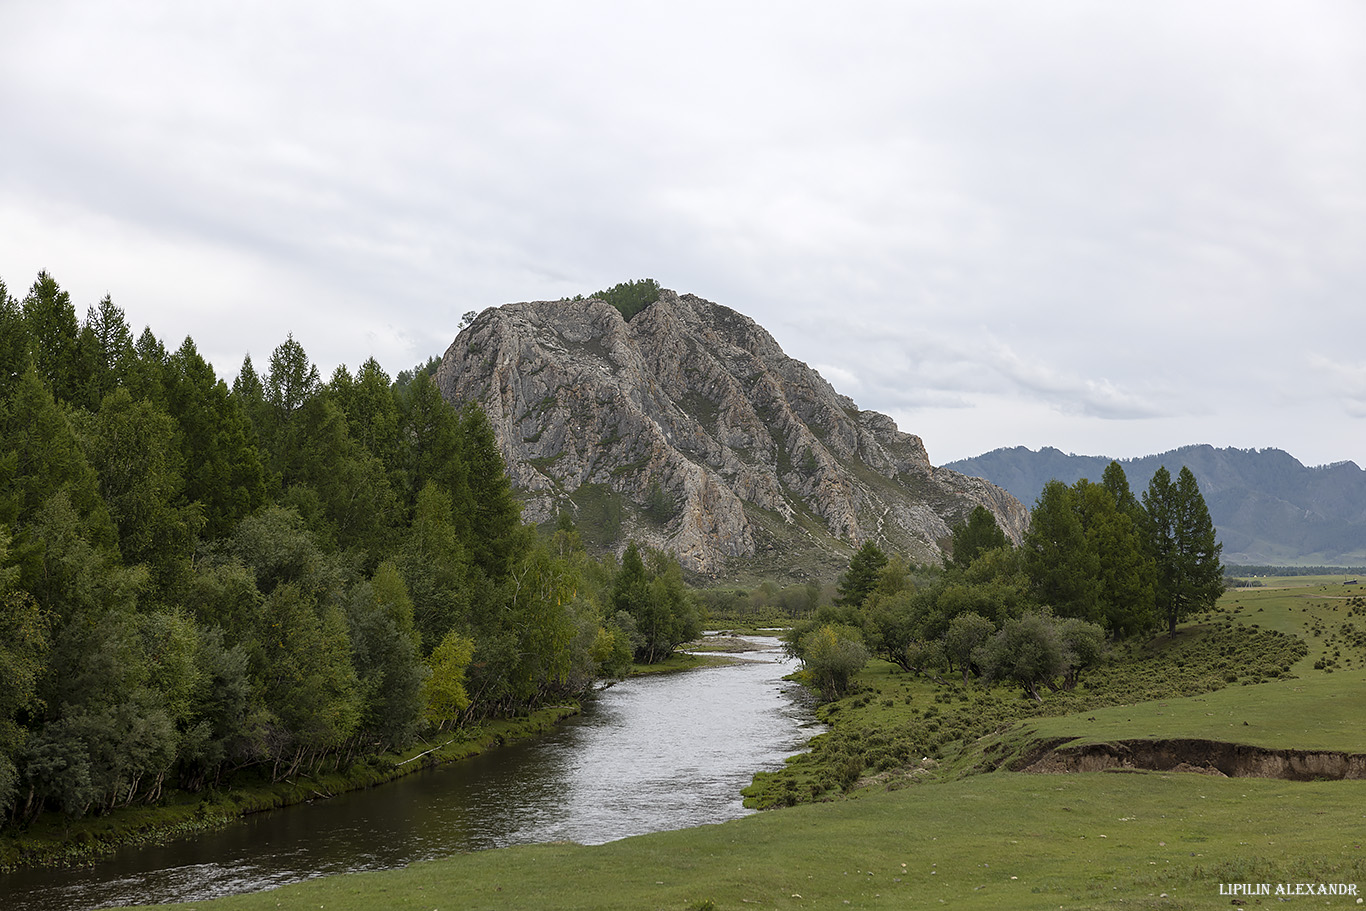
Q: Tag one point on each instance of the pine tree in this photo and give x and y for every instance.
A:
(133, 448)
(52, 331)
(495, 536)
(1182, 538)
(1125, 571)
(1062, 565)
(222, 463)
(861, 578)
(13, 343)
(105, 348)
(978, 534)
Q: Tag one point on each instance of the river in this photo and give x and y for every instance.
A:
(648, 754)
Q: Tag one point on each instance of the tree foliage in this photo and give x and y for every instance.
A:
(1094, 566)
(631, 297)
(974, 537)
(832, 654)
(198, 581)
(1189, 572)
(861, 577)
(662, 612)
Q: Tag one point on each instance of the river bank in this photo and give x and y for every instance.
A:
(972, 833)
(650, 753)
(54, 840)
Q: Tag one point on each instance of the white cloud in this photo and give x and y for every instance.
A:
(1098, 222)
(1345, 381)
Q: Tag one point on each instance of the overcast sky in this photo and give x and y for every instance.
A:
(1110, 227)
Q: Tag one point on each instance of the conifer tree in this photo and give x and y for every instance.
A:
(105, 344)
(861, 578)
(1182, 537)
(494, 533)
(50, 320)
(13, 343)
(144, 373)
(133, 449)
(1062, 565)
(1125, 573)
(978, 534)
(222, 463)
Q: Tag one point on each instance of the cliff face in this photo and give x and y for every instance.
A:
(690, 429)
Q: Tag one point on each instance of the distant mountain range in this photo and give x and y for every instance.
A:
(1267, 506)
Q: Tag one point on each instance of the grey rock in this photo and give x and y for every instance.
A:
(712, 442)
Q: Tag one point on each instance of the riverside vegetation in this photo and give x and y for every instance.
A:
(965, 828)
(215, 599)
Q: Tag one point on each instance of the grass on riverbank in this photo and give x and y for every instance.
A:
(1146, 840)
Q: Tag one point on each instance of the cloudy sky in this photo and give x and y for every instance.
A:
(1110, 227)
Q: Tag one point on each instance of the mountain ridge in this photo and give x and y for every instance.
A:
(1267, 506)
(688, 428)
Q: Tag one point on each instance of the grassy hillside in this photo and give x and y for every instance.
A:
(962, 830)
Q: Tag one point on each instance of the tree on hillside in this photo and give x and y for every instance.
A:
(1038, 649)
(1125, 572)
(862, 576)
(1062, 566)
(1182, 538)
(1027, 650)
(977, 535)
(631, 297)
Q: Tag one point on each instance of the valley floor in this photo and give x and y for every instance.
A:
(879, 825)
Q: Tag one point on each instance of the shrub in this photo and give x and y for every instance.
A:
(832, 654)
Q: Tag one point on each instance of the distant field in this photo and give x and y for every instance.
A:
(1295, 581)
(1000, 840)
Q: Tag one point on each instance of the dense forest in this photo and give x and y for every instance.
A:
(199, 580)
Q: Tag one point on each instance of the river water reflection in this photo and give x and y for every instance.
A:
(649, 754)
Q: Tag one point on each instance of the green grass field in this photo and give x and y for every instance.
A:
(947, 837)
(1015, 841)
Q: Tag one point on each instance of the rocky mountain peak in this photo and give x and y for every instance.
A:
(688, 428)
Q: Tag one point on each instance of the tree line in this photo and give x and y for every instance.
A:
(1096, 564)
(201, 580)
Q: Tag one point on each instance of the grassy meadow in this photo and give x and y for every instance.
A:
(906, 802)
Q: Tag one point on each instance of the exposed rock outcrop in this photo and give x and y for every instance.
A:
(690, 429)
(1209, 757)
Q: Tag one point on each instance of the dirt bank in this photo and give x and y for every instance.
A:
(1211, 757)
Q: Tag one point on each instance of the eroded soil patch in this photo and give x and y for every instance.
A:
(1214, 757)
